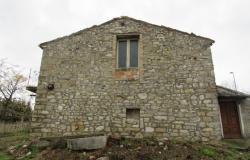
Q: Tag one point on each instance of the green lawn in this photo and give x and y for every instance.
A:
(4, 156)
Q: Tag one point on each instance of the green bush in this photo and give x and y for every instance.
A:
(15, 110)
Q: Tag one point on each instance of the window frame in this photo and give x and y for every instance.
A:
(127, 39)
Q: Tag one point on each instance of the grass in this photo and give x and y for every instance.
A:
(13, 139)
(4, 156)
(34, 152)
(208, 151)
(237, 143)
(16, 139)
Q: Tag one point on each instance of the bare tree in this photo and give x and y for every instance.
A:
(12, 85)
(11, 81)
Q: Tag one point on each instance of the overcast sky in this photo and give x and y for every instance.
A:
(24, 24)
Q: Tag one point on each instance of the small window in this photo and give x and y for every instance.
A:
(127, 52)
(133, 113)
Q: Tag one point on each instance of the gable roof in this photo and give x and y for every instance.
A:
(42, 45)
(224, 92)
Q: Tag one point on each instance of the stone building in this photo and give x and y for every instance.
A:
(131, 78)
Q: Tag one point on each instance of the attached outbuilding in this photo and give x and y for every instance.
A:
(235, 113)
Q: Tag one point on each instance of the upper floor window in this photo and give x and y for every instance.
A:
(127, 52)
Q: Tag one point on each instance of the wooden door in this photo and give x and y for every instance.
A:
(230, 119)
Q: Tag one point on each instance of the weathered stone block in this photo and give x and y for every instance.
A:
(42, 144)
(103, 158)
(160, 117)
(99, 128)
(160, 129)
(149, 129)
(142, 95)
(88, 143)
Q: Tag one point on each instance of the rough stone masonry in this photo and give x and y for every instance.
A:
(171, 94)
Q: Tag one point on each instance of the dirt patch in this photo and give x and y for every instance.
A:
(148, 149)
(19, 146)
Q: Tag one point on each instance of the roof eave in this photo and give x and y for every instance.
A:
(32, 89)
(232, 97)
(211, 41)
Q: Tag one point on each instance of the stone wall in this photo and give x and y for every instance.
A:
(245, 113)
(172, 93)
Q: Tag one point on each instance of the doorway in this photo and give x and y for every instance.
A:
(230, 119)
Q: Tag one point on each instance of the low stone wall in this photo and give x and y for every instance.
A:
(8, 127)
